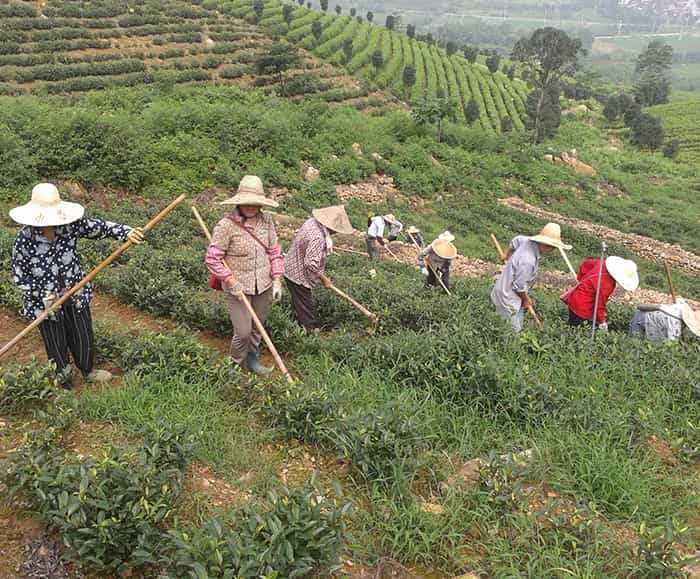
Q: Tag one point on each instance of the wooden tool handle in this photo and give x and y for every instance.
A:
(431, 268)
(356, 304)
(89, 277)
(531, 309)
(670, 281)
(498, 248)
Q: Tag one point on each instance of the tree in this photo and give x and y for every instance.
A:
(308, 5)
(510, 72)
(338, 9)
(672, 148)
(324, 5)
(409, 76)
(390, 22)
(288, 13)
(611, 110)
(493, 62)
(470, 53)
(506, 124)
(433, 111)
(647, 132)
(316, 29)
(472, 111)
(353, 12)
(281, 57)
(300, 2)
(377, 59)
(258, 8)
(653, 74)
(450, 48)
(359, 18)
(347, 49)
(630, 113)
(370, 16)
(411, 30)
(548, 55)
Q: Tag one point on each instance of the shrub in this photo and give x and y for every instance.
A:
(24, 388)
(671, 148)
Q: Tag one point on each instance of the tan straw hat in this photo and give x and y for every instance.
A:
(390, 218)
(251, 192)
(333, 218)
(446, 236)
(690, 318)
(46, 208)
(413, 229)
(550, 235)
(623, 271)
(444, 249)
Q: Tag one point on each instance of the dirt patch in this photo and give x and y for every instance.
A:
(644, 246)
(374, 190)
(205, 492)
(661, 450)
(16, 531)
(92, 438)
(462, 266)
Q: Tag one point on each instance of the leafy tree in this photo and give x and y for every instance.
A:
(470, 53)
(506, 124)
(347, 49)
(631, 112)
(308, 5)
(353, 12)
(647, 132)
(288, 13)
(472, 111)
(653, 74)
(450, 48)
(548, 55)
(258, 8)
(316, 29)
(611, 110)
(390, 22)
(281, 57)
(510, 72)
(433, 111)
(429, 38)
(377, 59)
(411, 30)
(409, 75)
(324, 5)
(338, 9)
(493, 62)
(370, 16)
(359, 18)
(672, 148)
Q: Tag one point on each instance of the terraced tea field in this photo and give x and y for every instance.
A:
(680, 121)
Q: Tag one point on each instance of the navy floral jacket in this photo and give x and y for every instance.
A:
(41, 267)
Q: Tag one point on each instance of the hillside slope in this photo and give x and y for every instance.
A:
(680, 121)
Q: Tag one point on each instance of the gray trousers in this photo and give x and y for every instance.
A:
(516, 319)
(246, 336)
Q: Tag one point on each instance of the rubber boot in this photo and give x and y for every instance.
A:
(253, 363)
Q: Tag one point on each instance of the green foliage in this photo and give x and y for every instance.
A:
(647, 132)
(656, 554)
(24, 388)
(653, 67)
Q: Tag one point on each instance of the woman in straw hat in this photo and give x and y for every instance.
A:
(439, 255)
(45, 264)
(305, 262)
(511, 294)
(581, 298)
(664, 321)
(245, 255)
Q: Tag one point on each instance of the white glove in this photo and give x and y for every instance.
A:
(603, 326)
(276, 290)
(49, 300)
(424, 270)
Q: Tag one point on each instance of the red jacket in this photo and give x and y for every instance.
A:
(581, 299)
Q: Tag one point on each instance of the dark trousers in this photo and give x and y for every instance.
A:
(374, 249)
(303, 304)
(69, 332)
(574, 320)
(444, 275)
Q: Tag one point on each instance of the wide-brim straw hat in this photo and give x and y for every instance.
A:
(691, 318)
(251, 192)
(46, 209)
(446, 236)
(444, 249)
(390, 218)
(413, 229)
(334, 218)
(550, 235)
(623, 271)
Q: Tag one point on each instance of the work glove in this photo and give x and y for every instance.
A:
(327, 283)
(135, 236)
(233, 286)
(49, 300)
(424, 270)
(603, 326)
(276, 290)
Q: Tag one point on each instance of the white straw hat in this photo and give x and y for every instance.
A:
(550, 235)
(251, 192)
(334, 218)
(390, 218)
(623, 271)
(444, 249)
(46, 208)
(413, 229)
(690, 318)
(446, 236)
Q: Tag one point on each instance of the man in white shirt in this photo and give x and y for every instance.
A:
(375, 232)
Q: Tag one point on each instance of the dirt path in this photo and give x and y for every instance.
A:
(647, 247)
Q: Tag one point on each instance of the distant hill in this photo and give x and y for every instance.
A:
(670, 9)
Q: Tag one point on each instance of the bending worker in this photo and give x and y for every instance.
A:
(305, 262)
(511, 294)
(581, 298)
(375, 232)
(439, 255)
(45, 264)
(664, 321)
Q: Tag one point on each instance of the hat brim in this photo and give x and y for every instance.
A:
(628, 283)
(444, 255)
(543, 239)
(35, 215)
(344, 227)
(691, 319)
(253, 199)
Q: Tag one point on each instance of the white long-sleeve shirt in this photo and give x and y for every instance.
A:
(376, 227)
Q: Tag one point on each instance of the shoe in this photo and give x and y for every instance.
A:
(99, 376)
(253, 363)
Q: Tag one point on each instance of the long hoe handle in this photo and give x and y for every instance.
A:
(498, 248)
(430, 267)
(358, 305)
(568, 262)
(251, 311)
(66, 296)
(670, 281)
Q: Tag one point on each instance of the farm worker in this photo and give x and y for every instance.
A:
(415, 236)
(511, 294)
(439, 255)
(581, 298)
(305, 261)
(245, 255)
(375, 232)
(664, 321)
(395, 227)
(45, 264)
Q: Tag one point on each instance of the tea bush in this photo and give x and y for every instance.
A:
(30, 387)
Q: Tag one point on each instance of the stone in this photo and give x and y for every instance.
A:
(376, 157)
(549, 158)
(431, 508)
(357, 149)
(466, 476)
(434, 162)
(311, 173)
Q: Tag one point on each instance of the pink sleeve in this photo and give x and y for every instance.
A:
(215, 263)
(276, 261)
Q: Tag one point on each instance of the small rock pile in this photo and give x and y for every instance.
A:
(376, 189)
(569, 158)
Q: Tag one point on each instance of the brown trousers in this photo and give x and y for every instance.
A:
(303, 305)
(246, 337)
